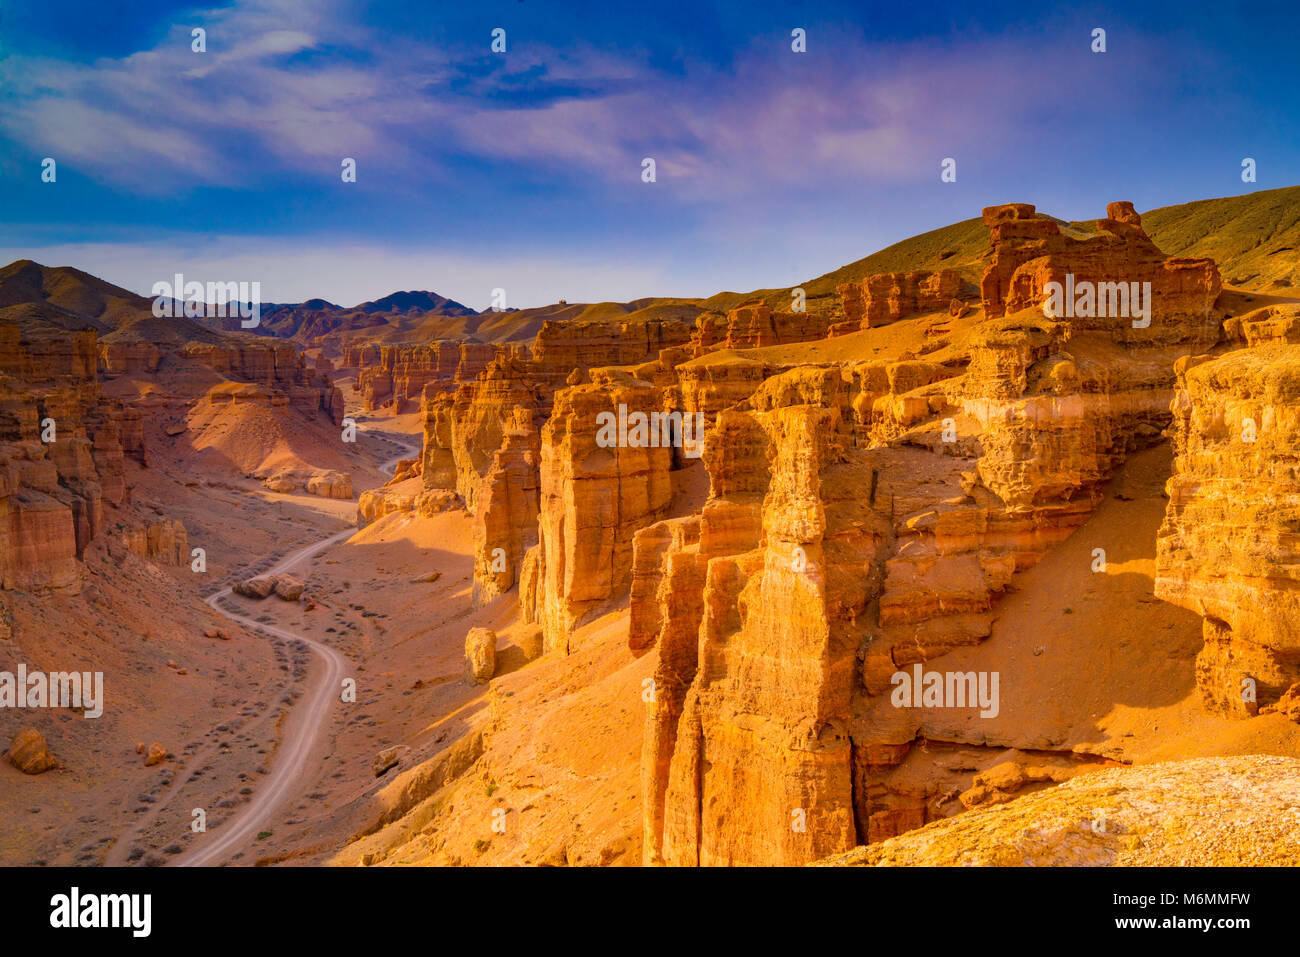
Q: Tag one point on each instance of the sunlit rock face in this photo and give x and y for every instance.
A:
(883, 298)
(1029, 252)
(595, 495)
(1230, 545)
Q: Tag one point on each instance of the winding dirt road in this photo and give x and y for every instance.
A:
(301, 734)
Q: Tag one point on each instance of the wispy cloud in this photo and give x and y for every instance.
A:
(283, 86)
(773, 166)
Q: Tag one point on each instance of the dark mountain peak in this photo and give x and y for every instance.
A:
(417, 301)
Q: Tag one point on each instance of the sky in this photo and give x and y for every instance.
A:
(523, 170)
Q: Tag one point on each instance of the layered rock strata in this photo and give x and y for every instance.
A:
(883, 298)
(1229, 548)
(594, 495)
(1097, 275)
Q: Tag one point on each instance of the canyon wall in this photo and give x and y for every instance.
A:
(752, 325)
(866, 516)
(1229, 548)
(863, 519)
(278, 366)
(883, 298)
(594, 496)
(61, 454)
(64, 443)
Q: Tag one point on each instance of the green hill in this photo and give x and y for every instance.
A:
(1255, 239)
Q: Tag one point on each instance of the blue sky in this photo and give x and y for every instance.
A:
(522, 170)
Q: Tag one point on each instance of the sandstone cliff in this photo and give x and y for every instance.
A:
(1029, 251)
(867, 516)
(1229, 548)
(61, 454)
(887, 297)
(593, 498)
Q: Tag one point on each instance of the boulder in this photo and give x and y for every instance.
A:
(388, 759)
(281, 484)
(29, 754)
(288, 587)
(480, 655)
(330, 484)
(258, 587)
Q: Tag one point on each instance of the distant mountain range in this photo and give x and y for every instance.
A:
(1255, 238)
(69, 298)
(318, 317)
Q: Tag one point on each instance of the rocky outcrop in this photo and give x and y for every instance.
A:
(1228, 549)
(277, 366)
(330, 484)
(594, 496)
(503, 387)
(887, 297)
(561, 347)
(1096, 274)
(653, 587)
(762, 709)
(29, 753)
(752, 325)
(505, 522)
(867, 517)
(39, 544)
(327, 483)
(1054, 420)
(164, 542)
(891, 398)
(130, 357)
(480, 655)
(405, 496)
(61, 454)
(464, 431)
(1174, 814)
(709, 386)
(395, 373)
(475, 357)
